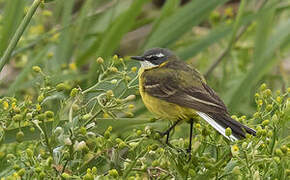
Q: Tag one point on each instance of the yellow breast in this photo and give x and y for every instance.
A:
(161, 108)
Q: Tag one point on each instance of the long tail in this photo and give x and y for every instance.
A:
(220, 122)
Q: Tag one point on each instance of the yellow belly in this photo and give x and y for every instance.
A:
(164, 109)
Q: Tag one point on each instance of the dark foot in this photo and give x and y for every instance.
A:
(167, 132)
(188, 150)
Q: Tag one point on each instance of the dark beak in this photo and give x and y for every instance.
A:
(138, 58)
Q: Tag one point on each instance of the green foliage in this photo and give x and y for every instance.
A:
(70, 108)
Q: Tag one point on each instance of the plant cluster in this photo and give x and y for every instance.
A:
(78, 140)
(65, 114)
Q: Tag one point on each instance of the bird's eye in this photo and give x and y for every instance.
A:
(151, 58)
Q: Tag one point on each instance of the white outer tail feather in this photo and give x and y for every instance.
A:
(215, 125)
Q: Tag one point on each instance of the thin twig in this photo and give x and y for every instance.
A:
(225, 52)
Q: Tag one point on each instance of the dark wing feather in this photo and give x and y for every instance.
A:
(184, 88)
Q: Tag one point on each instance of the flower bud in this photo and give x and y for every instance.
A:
(5, 105)
(270, 133)
(265, 122)
(16, 167)
(36, 69)
(58, 130)
(269, 107)
(236, 170)
(128, 78)
(129, 114)
(235, 150)
(263, 87)
(134, 69)
(42, 175)
(49, 114)
(256, 115)
(131, 106)
(19, 136)
(155, 163)
(65, 176)
(21, 172)
(29, 153)
(17, 117)
(284, 148)
(115, 57)
(279, 99)
(80, 146)
(40, 98)
(114, 81)
(114, 173)
(109, 93)
(106, 115)
(268, 93)
(83, 131)
(139, 132)
(87, 116)
(74, 92)
(260, 102)
(244, 145)
(257, 95)
(100, 60)
(67, 141)
(197, 126)
(133, 144)
(275, 118)
(228, 131)
(113, 69)
(277, 159)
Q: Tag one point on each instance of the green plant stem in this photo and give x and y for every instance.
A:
(46, 138)
(5, 59)
(247, 163)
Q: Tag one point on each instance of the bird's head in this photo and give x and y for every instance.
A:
(153, 57)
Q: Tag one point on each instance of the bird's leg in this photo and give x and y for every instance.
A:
(168, 131)
(190, 139)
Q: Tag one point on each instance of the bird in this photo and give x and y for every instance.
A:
(172, 89)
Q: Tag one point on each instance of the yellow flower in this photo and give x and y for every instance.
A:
(72, 66)
(13, 105)
(5, 105)
(134, 69)
(38, 29)
(131, 106)
(38, 107)
(115, 57)
(106, 115)
(278, 99)
(54, 38)
(229, 12)
(47, 13)
(50, 54)
(235, 150)
(197, 126)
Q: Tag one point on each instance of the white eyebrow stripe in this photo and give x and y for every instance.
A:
(160, 55)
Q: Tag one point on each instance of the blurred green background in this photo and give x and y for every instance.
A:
(236, 44)
(59, 101)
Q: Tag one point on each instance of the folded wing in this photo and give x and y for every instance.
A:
(186, 88)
